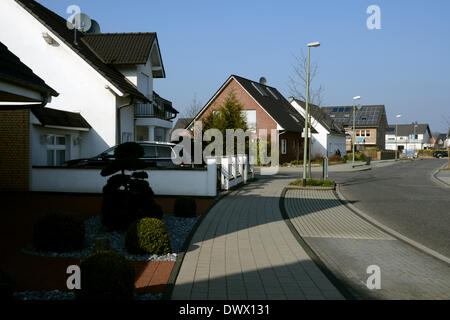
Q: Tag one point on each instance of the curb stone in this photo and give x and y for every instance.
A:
(388, 230)
(339, 284)
(437, 180)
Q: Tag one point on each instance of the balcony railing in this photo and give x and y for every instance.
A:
(148, 110)
(158, 108)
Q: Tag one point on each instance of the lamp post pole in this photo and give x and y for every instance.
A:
(306, 130)
(396, 136)
(354, 129)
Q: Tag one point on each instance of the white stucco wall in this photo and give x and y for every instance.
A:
(163, 182)
(81, 88)
(407, 142)
(323, 144)
(336, 142)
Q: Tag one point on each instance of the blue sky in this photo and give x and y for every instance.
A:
(404, 66)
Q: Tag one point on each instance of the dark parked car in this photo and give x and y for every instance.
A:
(156, 154)
(440, 154)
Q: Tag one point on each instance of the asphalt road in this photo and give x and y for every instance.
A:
(403, 197)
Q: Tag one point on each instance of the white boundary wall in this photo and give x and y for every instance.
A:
(189, 182)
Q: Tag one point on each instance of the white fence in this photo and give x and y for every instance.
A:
(234, 171)
(187, 182)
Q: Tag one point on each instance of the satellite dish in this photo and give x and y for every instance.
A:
(95, 27)
(263, 81)
(81, 22)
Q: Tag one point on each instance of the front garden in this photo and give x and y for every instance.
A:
(130, 229)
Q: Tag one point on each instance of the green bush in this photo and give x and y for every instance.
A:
(6, 287)
(185, 207)
(106, 275)
(148, 236)
(58, 233)
(362, 157)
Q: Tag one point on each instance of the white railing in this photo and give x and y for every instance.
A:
(234, 170)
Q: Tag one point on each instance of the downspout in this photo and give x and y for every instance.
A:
(119, 129)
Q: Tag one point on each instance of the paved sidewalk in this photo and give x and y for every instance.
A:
(444, 176)
(243, 249)
(347, 245)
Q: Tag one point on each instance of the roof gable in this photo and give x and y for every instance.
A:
(271, 100)
(322, 117)
(58, 26)
(15, 71)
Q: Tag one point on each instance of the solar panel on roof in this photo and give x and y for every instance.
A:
(341, 110)
(335, 109)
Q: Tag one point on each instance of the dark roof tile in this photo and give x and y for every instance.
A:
(121, 48)
(15, 71)
(323, 118)
(58, 118)
(275, 104)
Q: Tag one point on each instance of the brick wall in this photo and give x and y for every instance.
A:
(263, 120)
(295, 147)
(14, 150)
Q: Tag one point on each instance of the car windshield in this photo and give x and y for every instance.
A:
(108, 153)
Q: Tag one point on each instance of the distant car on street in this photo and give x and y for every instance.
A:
(440, 154)
(156, 154)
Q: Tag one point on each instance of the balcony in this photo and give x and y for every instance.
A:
(160, 108)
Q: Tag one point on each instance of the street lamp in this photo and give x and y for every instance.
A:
(306, 131)
(354, 126)
(396, 139)
(415, 141)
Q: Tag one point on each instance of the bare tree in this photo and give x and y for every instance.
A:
(193, 109)
(297, 87)
(297, 81)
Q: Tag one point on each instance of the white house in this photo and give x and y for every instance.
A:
(104, 81)
(330, 136)
(408, 137)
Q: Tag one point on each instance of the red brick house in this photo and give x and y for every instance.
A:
(265, 108)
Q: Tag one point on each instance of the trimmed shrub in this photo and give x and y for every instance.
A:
(148, 236)
(185, 207)
(58, 233)
(127, 197)
(6, 286)
(106, 275)
(120, 208)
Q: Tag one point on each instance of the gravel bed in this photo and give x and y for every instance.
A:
(178, 229)
(62, 295)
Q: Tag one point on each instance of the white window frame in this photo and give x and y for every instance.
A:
(53, 147)
(283, 146)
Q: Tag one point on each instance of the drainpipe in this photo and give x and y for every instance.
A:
(119, 129)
